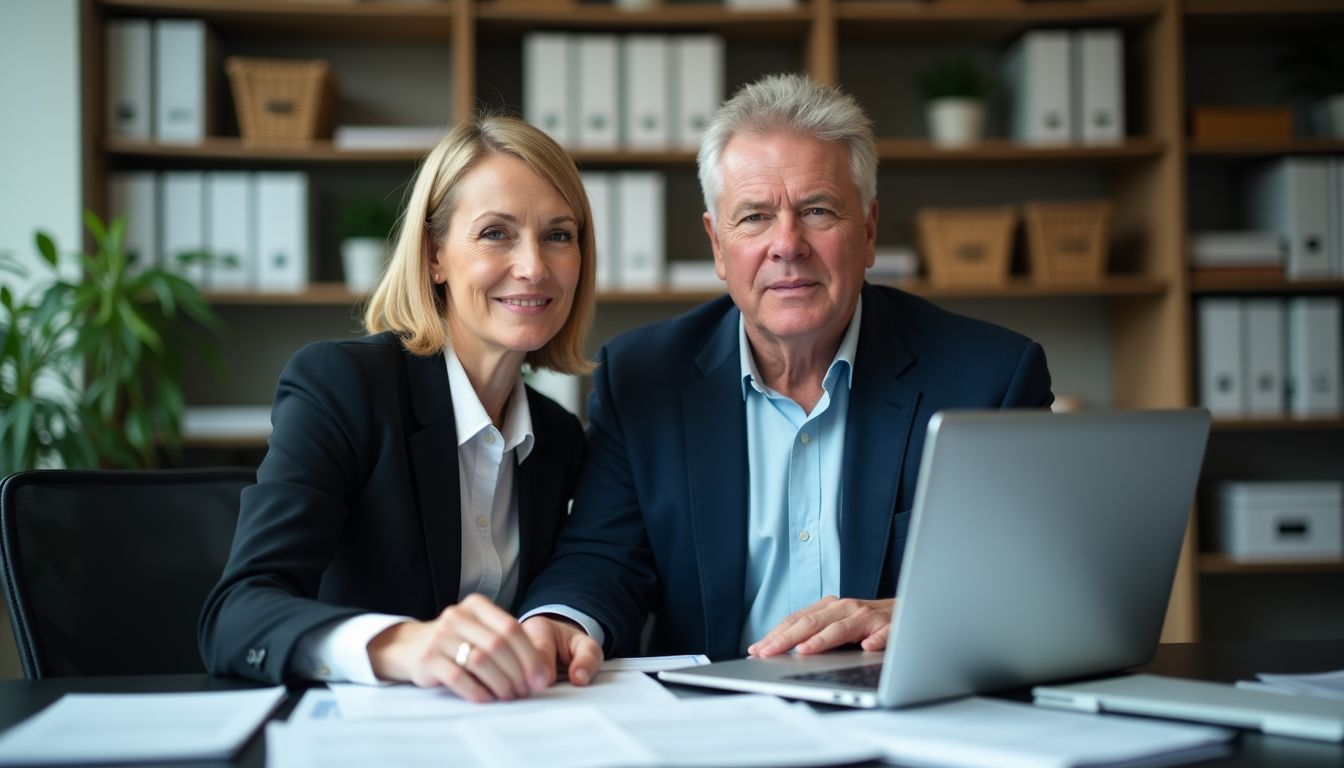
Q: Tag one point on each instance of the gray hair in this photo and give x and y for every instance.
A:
(794, 104)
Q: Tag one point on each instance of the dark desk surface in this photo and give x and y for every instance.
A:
(1225, 662)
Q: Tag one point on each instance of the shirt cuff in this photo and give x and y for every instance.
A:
(589, 624)
(339, 652)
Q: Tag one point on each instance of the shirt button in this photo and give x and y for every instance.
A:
(805, 439)
(482, 520)
(489, 438)
(804, 536)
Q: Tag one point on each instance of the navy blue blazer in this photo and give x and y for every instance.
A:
(659, 523)
(357, 506)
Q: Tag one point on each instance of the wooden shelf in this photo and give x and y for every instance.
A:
(306, 19)
(1215, 563)
(1204, 148)
(336, 294)
(1284, 424)
(902, 150)
(1209, 282)
(232, 149)
(513, 19)
(1235, 8)
(1000, 20)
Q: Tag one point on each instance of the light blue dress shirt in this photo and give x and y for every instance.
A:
(794, 461)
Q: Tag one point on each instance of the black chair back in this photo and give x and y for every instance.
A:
(105, 571)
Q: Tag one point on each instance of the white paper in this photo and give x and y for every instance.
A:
(316, 704)
(108, 728)
(730, 731)
(1327, 684)
(738, 731)
(977, 731)
(654, 663)
(616, 689)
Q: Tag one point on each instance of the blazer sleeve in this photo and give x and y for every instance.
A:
(291, 520)
(1029, 386)
(602, 564)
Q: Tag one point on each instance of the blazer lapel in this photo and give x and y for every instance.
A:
(877, 431)
(433, 452)
(539, 480)
(716, 460)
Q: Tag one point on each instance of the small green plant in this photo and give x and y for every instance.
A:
(90, 368)
(367, 216)
(961, 76)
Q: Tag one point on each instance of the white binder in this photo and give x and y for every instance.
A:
(548, 91)
(1098, 86)
(1336, 216)
(1263, 327)
(184, 81)
(644, 89)
(1039, 77)
(182, 222)
(228, 230)
(132, 195)
(282, 231)
(640, 237)
(1220, 357)
(601, 199)
(697, 85)
(1291, 196)
(1314, 356)
(599, 115)
(129, 77)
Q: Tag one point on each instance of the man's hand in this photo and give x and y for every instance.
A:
(562, 643)
(474, 649)
(828, 623)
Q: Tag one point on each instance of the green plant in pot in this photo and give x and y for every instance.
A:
(1317, 72)
(366, 224)
(90, 368)
(955, 92)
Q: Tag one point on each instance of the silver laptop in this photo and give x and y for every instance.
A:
(1042, 546)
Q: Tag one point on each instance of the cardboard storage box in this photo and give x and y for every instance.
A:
(1281, 521)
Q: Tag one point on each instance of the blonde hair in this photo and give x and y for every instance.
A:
(408, 302)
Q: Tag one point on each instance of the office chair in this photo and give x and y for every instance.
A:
(105, 571)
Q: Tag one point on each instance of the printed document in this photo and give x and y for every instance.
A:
(106, 728)
(1327, 684)
(990, 733)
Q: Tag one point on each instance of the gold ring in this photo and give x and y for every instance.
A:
(463, 653)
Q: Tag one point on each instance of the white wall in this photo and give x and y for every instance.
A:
(39, 133)
(39, 149)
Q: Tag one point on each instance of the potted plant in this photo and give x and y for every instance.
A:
(366, 224)
(955, 90)
(90, 369)
(1317, 72)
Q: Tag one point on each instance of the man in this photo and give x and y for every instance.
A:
(756, 457)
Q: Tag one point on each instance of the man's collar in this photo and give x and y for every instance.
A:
(847, 352)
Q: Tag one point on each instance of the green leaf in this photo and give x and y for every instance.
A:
(47, 247)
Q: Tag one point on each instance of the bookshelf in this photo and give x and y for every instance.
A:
(1136, 347)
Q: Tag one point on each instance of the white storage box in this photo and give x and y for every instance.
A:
(1282, 521)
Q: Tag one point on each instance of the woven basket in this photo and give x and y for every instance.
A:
(1067, 242)
(966, 246)
(281, 101)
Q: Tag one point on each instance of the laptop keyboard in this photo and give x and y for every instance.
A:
(865, 676)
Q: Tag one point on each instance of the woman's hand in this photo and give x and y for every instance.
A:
(474, 649)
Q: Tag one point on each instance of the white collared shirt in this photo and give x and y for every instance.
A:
(487, 459)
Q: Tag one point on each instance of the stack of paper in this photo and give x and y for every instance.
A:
(1002, 734)
(1329, 685)
(1236, 249)
(107, 728)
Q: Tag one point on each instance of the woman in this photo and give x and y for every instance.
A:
(413, 486)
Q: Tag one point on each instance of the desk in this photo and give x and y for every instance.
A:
(1225, 662)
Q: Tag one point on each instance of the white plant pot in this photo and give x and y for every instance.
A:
(362, 259)
(1334, 114)
(956, 122)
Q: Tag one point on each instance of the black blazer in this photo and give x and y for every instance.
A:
(357, 507)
